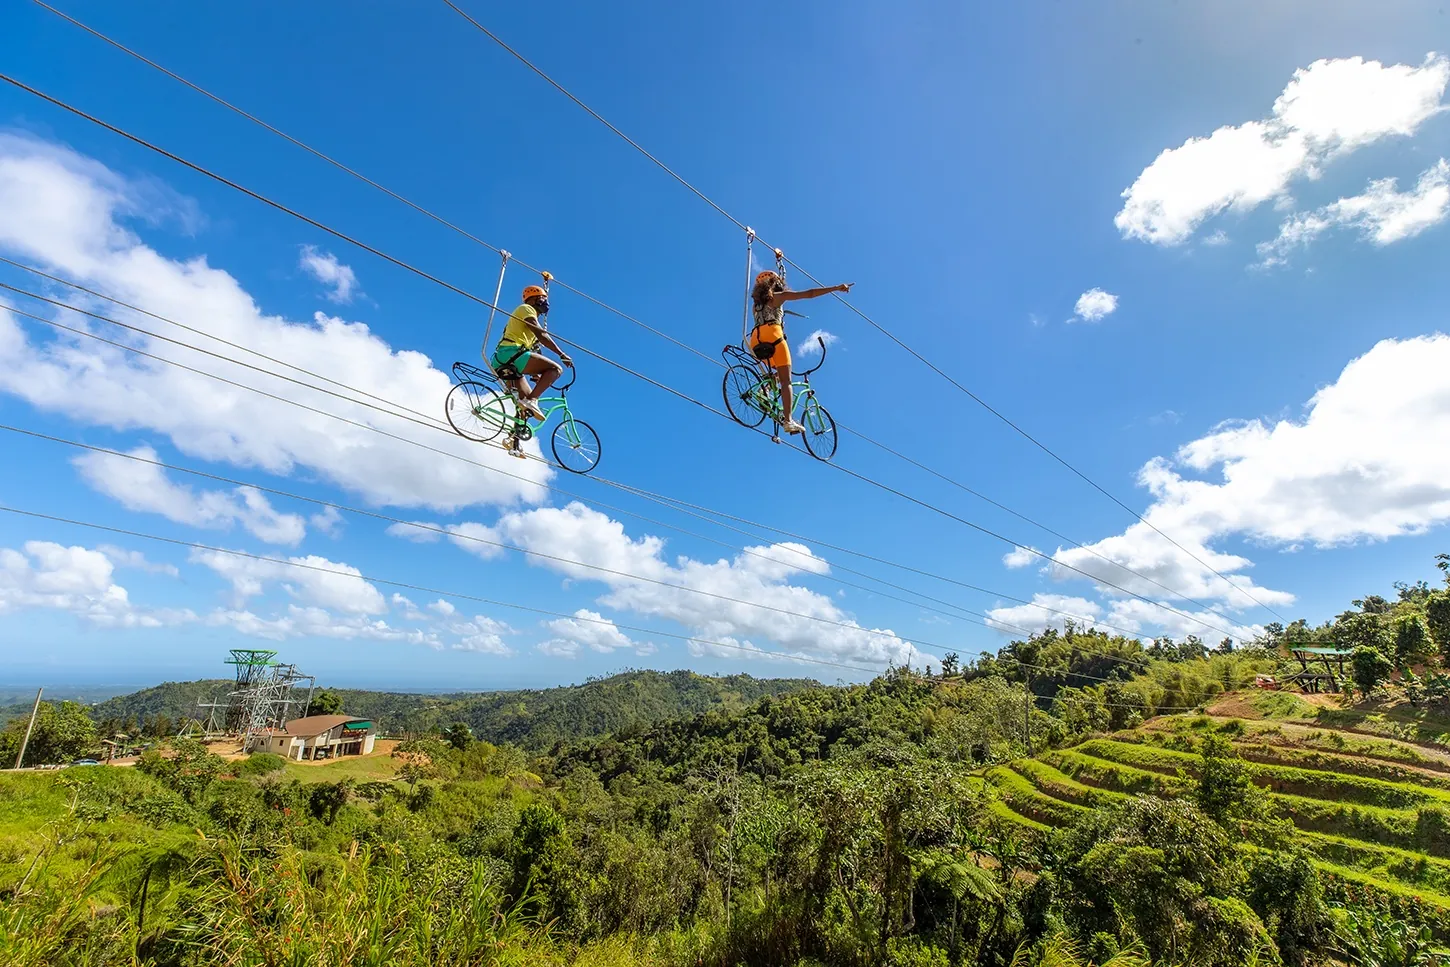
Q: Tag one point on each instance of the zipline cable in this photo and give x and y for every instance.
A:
(669, 502)
(471, 538)
(758, 652)
(876, 325)
(483, 302)
(852, 473)
(750, 235)
(423, 588)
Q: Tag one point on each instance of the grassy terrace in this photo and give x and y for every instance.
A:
(1374, 811)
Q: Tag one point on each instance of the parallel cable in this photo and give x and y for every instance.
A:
(484, 302)
(459, 536)
(852, 473)
(876, 325)
(758, 652)
(672, 503)
(422, 588)
(658, 332)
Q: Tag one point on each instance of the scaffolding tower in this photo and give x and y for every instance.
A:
(263, 695)
(266, 702)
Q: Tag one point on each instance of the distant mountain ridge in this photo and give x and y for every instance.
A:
(533, 718)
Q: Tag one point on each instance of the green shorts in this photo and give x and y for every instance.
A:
(511, 355)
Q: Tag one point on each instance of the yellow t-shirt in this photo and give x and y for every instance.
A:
(517, 330)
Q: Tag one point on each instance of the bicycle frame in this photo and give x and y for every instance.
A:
(768, 387)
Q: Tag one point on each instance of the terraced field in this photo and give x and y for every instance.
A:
(1373, 811)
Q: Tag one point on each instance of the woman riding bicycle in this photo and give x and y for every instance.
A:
(517, 351)
(767, 339)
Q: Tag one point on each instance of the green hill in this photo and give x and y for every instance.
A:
(532, 718)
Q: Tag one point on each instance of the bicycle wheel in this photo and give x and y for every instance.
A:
(742, 396)
(478, 412)
(818, 429)
(576, 446)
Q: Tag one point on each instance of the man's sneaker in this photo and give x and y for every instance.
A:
(791, 426)
(530, 407)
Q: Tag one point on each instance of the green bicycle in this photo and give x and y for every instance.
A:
(752, 394)
(479, 407)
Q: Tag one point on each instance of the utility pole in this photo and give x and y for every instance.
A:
(35, 710)
(1027, 709)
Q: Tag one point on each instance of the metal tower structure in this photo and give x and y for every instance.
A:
(265, 703)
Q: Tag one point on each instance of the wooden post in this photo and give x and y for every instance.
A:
(35, 710)
(1027, 709)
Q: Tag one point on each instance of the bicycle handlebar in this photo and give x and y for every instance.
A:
(822, 343)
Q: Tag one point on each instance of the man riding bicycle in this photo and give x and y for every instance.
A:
(517, 351)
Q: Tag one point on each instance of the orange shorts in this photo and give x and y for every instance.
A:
(767, 334)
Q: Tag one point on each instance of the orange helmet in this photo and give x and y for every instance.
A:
(533, 290)
(766, 276)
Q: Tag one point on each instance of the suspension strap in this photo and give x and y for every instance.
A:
(749, 285)
(497, 294)
(780, 264)
(544, 319)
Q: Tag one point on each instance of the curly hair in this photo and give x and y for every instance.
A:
(769, 283)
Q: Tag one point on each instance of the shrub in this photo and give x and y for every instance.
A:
(260, 764)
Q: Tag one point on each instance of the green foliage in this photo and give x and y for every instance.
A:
(1370, 668)
(260, 764)
(62, 734)
(1225, 788)
(1437, 618)
(1413, 643)
(188, 769)
(325, 702)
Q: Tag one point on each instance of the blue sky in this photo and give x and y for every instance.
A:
(975, 173)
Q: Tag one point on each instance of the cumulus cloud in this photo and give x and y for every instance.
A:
(1020, 557)
(299, 621)
(583, 541)
(1383, 214)
(340, 279)
(1094, 305)
(809, 346)
(1328, 109)
(146, 487)
(77, 580)
(121, 557)
(71, 216)
(587, 628)
(1045, 612)
(337, 587)
(327, 520)
(1292, 482)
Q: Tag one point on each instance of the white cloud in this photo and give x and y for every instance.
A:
(1383, 214)
(482, 635)
(1361, 465)
(418, 535)
(1328, 109)
(1020, 557)
(591, 629)
(346, 592)
(444, 608)
(328, 521)
(578, 535)
(74, 579)
(145, 487)
(558, 648)
(67, 213)
(1094, 305)
(1043, 613)
(313, 622)
(810, 347)
(121, 557)
(325, 268)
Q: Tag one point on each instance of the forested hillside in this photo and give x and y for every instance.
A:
(532, 718)
(1141, 805)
